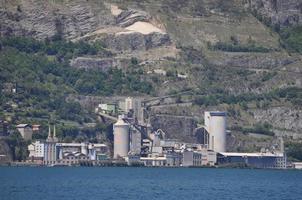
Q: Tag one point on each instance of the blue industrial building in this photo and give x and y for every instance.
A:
(255, 160)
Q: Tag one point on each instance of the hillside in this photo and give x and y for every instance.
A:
(243, 56)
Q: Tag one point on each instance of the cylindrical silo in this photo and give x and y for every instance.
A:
(217, 129)
(121, 138)
(84, 148)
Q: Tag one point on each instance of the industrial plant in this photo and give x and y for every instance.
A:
(137, 143)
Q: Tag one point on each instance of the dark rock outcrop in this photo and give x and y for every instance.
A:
(129, 17)
(175, 127)
(45, 19)
(281, 13)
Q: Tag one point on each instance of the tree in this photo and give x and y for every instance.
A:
(18, 146)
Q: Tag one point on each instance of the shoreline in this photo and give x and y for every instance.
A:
(19, 165)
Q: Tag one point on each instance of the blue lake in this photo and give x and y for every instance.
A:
(148, 183)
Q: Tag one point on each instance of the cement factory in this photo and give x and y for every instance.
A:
(136, 143)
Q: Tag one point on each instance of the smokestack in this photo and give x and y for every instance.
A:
(49, 132)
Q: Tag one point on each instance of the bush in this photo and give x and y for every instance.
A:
(264, 129)
(239, 47)
(294, 150)
(18, 146)
(292, 38)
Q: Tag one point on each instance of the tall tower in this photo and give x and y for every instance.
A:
(54, 137)
(50, 148)
(135, 141)
(135, 105)
(215, 123)
(121, 138)
(49, 138)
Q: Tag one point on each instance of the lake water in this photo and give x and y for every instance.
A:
(148, 183)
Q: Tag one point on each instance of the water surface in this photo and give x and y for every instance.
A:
(148, 183)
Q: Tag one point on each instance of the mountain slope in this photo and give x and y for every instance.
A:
(237, 55)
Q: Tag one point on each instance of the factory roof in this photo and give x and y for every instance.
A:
(297, 163)
(251, 154)
(80, 144)
(22, 125)
(153, 158)
(75, 153)
(217, 113)
(98, 145)
(120, 121)
(70, 144)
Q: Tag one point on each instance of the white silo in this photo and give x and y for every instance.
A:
(121, 138)
(84, 148)
(215, 123)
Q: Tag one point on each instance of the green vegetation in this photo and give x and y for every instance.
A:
(231, 47)
(268, 76)
(292, 94)
(292, 38)
(264, 129)
(294, 151)
(259, 128)
(18, 146)
(59, 48)
(43, 76)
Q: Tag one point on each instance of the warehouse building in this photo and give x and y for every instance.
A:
(199, 158)
(255, 160)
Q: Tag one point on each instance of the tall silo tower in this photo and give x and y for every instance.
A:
(121, 138)
(215, 123)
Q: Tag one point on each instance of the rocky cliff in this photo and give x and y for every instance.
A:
(280, 13)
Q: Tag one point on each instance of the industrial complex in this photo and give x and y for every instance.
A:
(137, 143)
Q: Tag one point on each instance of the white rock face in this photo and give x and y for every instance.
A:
(144, 28)
(115, 10)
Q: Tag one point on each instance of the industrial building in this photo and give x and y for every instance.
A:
(131, 139)
(121, 138)
(199, 158)
(155, 149)
(215, 127)
(109, 108)
(92, 151)
(72, 158)
(255, 160)
(51, 152)
(135, 142)
(36, 152)
(25, 130)
(297, 165)
(133, 108)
